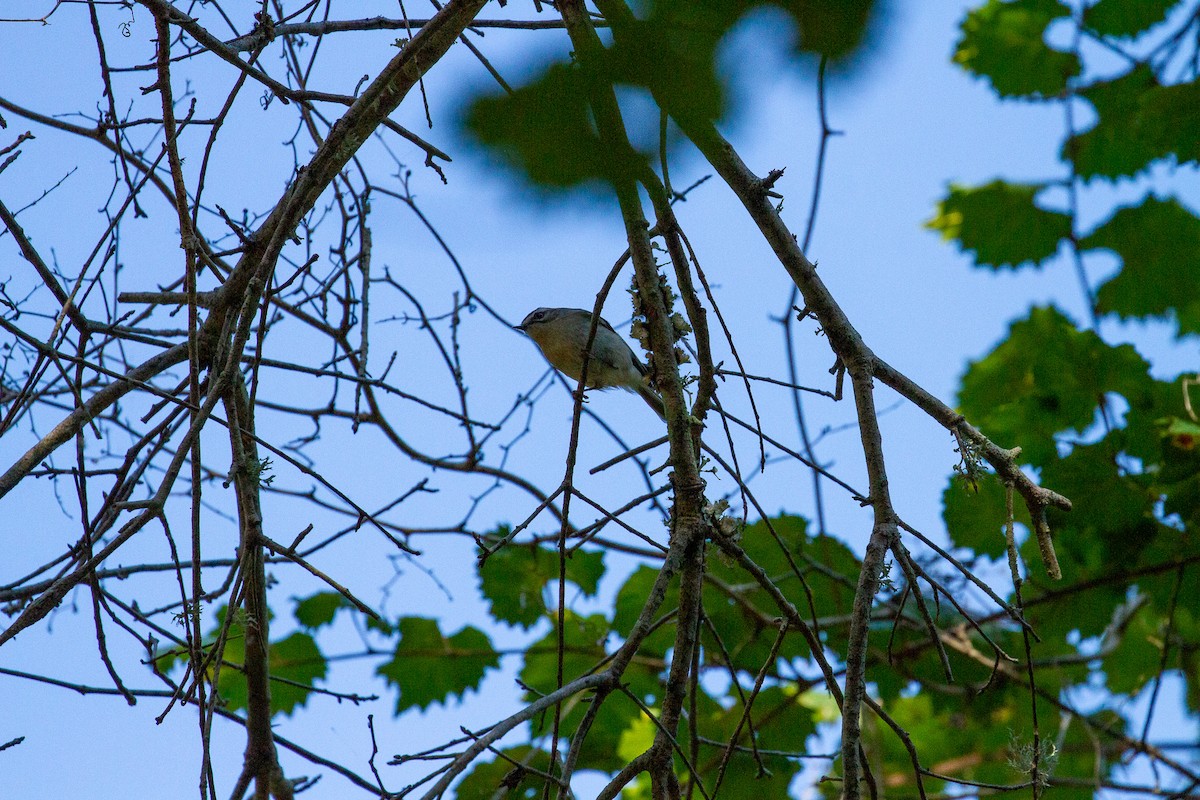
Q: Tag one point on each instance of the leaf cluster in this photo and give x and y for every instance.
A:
(666, 49)
(1094, 420)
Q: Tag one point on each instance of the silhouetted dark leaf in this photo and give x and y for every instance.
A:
(1158, 242)
(428, 667)
(1124, 19)
(1004, 41)
(1000, 224)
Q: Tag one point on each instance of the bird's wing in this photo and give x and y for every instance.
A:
(603, 322)
(612, 361)
(637, 362)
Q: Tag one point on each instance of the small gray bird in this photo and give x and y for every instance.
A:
(561, 333)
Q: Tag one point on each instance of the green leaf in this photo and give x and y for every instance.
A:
(977, 518)
(583, 637)
(1005, 43)
(583, 652)
(1125, 19)
(1169, 117)
(1187, 651)
(514, 579)
(672, 52)
(1117, 145)
(1000, 224)
(1116, 504)
(1115, 507)
(831, 28)
(501, 777)
(1138, 122)
(672, 48)
(298, 660)
(781, 723)
(1134, 662)
(1086, 613)
(1047, 377)
(817, 574)
(630, 600)
(380, 625)
(784, 549)
(1163, 583)
(1155, 240)
(318, 610)
(295, 658)
(985, 740)
(544, 130)
(1184, 433)
(942, 736)
(1112, 523)
(428, 667)
(1179, 477)
(1141, 438)
(636, 739)
(231, 683)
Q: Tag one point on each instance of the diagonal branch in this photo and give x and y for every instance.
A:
(857, 359)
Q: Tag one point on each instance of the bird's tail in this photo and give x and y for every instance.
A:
(652, 399)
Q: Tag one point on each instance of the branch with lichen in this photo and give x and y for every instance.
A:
(855, 358)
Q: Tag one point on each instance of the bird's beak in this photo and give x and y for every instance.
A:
(520, 328)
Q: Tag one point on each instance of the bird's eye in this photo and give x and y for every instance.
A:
(539, 316)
